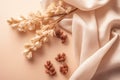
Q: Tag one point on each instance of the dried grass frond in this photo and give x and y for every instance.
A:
(46, 24)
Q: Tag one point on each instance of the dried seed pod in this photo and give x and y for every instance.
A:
(58, 33)
(45, 39)
(49, 68)
(64, 69)
(53, 73)
(28, 45)
(31, 27)
(61, 35)
(61, 57)
(38, 44)
(28, 54)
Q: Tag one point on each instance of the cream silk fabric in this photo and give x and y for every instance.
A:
(95, 29)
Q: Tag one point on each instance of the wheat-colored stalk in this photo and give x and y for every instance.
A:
(44, 25)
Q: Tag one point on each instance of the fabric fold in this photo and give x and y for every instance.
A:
(95, 29)
(86, 70)
(86, 5)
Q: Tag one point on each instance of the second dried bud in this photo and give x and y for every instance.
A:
(49, 68)
(64, 69)
(61, 35)
(61, 57)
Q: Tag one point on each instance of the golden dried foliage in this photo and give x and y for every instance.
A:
(43, 25)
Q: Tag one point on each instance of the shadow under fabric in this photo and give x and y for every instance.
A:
(95, 29)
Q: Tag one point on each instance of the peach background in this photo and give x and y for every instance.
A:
(13, 65)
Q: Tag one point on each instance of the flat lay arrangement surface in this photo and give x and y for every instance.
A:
(60, 40)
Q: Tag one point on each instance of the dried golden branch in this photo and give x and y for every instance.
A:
(46, 24)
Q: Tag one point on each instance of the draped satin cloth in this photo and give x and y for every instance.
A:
(95, 29)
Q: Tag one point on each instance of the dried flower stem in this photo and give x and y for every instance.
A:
(46, 24)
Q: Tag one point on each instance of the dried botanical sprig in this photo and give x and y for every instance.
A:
(50, 70)
(61, 57)
(26, 24)
(58, 8)
(64, 69)
(43, 24)
(37, 41)
(37, 19)
(61, 35)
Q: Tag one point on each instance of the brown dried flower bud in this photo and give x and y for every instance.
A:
(63, 38)
(58, 33)
(50, 70)
(64, 69)
(61, 57)
(61, 35)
